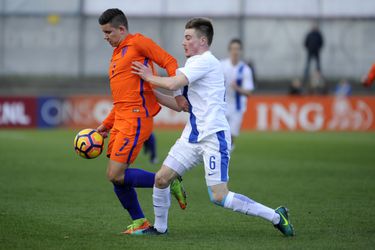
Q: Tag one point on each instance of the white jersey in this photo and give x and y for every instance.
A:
(205, 93)
(240, 74)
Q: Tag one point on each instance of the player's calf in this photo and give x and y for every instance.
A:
(161, 196)
(218, 194)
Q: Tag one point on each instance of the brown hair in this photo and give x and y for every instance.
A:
(203, 26)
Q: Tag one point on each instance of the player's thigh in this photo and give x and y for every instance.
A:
(183, 156)
(132, 133)
(112, 139)
(216, 158)
(144, 130)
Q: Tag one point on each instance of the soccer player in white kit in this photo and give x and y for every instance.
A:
(239, 84)
(206, 136)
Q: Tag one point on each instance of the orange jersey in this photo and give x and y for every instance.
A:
(370, 76)
(133, 97)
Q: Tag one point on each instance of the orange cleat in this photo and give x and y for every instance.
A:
(137, 227)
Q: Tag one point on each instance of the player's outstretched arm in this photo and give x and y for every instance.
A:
(170, 83)
(167, 101)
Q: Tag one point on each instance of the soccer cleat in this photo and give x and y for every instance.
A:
(138, 226)
(152, 231)
(178, 191)
(285, 227)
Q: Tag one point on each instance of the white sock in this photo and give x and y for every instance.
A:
(243, 204)
(162, 202)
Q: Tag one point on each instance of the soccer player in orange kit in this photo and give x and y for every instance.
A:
(130, 122)
(370, 78)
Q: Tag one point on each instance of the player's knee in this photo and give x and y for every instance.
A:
(161, 180)
(114, 178)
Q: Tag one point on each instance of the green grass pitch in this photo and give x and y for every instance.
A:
(52, 199)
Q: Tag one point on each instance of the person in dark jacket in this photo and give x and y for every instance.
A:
(313, 44)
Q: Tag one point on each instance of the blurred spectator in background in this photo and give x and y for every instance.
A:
(149, 147)
(313, 44)
(343, 115)
(317, 85)
(343, 88)
(295, 87)
(239, 85)
(369, 79)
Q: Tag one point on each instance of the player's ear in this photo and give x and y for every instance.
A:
(203, 40)
(122, 28)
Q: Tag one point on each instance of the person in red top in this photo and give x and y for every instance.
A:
(370, 78)
(135, 104)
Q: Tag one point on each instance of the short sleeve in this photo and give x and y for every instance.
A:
(195, 68)
(248, 80)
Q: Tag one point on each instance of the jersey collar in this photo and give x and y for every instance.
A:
(123, 43)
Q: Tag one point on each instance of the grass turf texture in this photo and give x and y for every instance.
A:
(52, 199)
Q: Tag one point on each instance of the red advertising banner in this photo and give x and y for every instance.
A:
(18, 112)
(264, 113)
(88, 111)
(310, 113)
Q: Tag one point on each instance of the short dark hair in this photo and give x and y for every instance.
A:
(235, 40)
(203, 26)
(115, 17)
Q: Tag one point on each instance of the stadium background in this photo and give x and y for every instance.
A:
(53, 63)
(53, 50)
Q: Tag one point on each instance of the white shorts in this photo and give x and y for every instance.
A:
(213, 150)
(235, 122)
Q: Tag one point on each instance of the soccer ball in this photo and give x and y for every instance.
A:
(88, 143)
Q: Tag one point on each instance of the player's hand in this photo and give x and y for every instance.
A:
(103, 130)
(144, 71)
(235, 86)
(182, 103)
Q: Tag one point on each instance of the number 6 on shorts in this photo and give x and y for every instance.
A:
(212, 162)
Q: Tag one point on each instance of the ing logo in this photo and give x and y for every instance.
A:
(350, 116)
